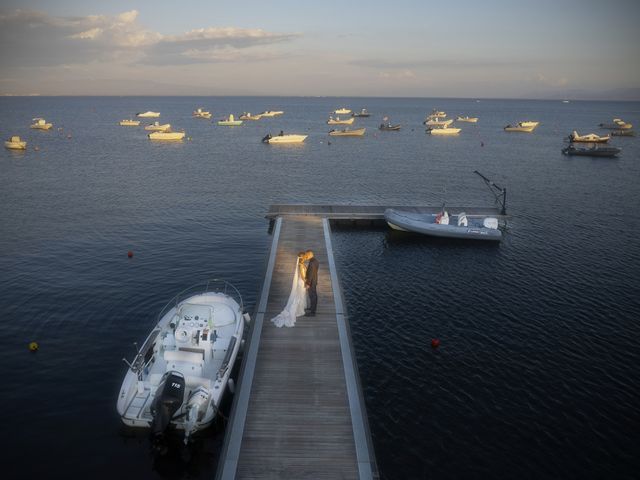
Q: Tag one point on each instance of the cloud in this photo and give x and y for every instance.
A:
(382, 64)
(34, 38)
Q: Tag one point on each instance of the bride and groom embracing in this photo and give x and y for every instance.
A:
(305, 280)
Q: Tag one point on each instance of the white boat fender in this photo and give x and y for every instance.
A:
(231, 385)
(247, 318)
(490, 222)
(462, 220)
(241, 349)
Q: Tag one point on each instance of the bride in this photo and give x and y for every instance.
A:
(297, 299)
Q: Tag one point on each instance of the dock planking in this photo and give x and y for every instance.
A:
(299, 411)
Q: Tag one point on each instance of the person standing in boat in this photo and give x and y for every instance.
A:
(311, 282)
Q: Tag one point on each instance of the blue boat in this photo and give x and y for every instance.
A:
(444, 225)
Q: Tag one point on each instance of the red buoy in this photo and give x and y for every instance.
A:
(130, 253)
(435, 343)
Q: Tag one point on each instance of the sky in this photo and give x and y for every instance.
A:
(394, 48)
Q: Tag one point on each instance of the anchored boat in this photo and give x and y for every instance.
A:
(590, 138)
(520, 127)
(156, 127)
(443, 130)
(362, 113)
(166, 135)
(181, 372)
(230, 121)
(357, 132)
(15, 143)
(282, 138)
(467, 119)
(594, 151)
(248, 116)
(337, 121)
(41, 124)
(388, 127)
(148, 114)
(200, 113)
(342, 111)
(129, 123)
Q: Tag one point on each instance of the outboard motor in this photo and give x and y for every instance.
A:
(168, 400)
(266, 138)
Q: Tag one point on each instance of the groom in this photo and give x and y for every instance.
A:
(310, 282)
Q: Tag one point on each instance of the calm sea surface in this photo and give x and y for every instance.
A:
(537, 375)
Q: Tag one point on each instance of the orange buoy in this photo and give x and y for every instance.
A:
(435, 343)
(33, 346)
(130, 253)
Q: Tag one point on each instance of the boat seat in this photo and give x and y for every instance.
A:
(187, 363)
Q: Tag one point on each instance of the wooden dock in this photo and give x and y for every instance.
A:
(298, 411)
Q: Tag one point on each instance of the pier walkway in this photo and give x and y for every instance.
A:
(299, 412)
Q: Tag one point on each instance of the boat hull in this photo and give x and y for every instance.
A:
(348, 133)
(148, 115)
(286, 139)
(166, 136)
(15, 145)
(425, 224)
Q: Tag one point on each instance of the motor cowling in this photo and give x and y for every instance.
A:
(168, 400)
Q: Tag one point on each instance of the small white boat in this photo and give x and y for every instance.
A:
(156, 127)
(519, 128)
(467, 119)
(437, 114)
(271, 113)
(529, 124)
(148, 114)
(357, 132)
(591, 151)
(41, 124)
(230, 121)
(181, 372)
(362, 113)
(166, 135)
(443, 130)
(282, 138)
(617, 124)
(248, 116)
(342, 111)
(200, 113)
(129, 123)
(337, 121)
(15, 143)
(439, 225)
(590, 138)
(435, 122)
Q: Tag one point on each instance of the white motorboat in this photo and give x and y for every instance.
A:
(443, 130)
(520, 128)
(200, 113)
(282, 138)
(337, 121)
(156, 127)
(248, 116)
(15, 143)
(437, 114)
(342, 111)
(41, 124)
(435, 122)
(148, 114)
(271, 113)
(346, 132)
(467, 119)
(230, 121)
(129, 123)
(529, 123)
(590, 138)
(168, 135)
(617, 124)
(439, 225)
(181, 372)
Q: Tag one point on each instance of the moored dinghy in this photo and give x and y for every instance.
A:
(594, 151)
(443, 130)
(467, 119)
(41, 124)
(444, 225)
(200, 113)
(129, 123)
(520, 127)
(230, 121)
(166, 135)
(356, 132)
(15, 143)
(388, 127)
(337, 121)
(156, 127)
(181, 372)
(361, 113)
(148, 114)
(589, 138)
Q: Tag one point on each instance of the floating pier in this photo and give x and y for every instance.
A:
(298, 411)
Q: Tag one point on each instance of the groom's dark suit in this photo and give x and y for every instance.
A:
(311, 281)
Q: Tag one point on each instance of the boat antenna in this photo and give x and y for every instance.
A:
(497, 192)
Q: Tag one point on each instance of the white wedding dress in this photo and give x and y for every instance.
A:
(295, 305)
